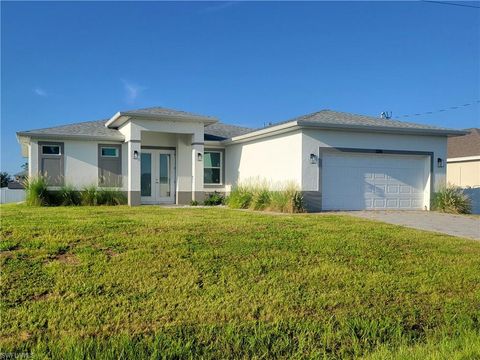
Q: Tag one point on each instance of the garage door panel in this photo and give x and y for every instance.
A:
(392, 203)
(393, 189)
(373, 181)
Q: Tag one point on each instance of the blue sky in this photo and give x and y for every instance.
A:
(247, 63)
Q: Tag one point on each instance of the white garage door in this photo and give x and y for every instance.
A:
(374, 181)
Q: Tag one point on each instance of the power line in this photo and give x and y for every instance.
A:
(450, 3)
(441, 110)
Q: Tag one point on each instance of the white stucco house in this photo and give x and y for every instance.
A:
(339, 161)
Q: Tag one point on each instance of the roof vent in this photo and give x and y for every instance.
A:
(386, 115)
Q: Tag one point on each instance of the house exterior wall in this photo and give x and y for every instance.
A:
(80, 162)
(186, 136)
(158, 139)
(276, 159)
(463, 173)
(312, 140)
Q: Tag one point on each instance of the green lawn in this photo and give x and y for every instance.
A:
(152, 282)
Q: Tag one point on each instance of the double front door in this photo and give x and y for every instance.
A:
(157, 182)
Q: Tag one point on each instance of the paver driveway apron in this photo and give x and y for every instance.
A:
(457, 225)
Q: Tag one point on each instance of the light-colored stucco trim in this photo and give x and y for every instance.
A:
(262, 133)
(120, 118)
(463, 159)
(278, 129)
(381, 129)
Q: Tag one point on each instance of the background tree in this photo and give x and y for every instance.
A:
(4, 179)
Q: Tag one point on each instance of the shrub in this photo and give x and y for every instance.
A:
(451, 199)
(214, 198)
(36, 191)
(194, 203)
(69, 196)
(89, 195)
(110, 197)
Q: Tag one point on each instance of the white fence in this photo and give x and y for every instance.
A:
(11, 195)
(474, 195)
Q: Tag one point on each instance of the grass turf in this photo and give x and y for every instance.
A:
(151, 282)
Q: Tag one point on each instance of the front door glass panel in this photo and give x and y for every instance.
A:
(146, 174)
(164, 175)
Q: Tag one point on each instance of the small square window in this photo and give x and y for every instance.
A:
(50, 149)
(109, 152)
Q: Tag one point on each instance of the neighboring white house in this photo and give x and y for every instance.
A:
(463, 165)
(463, 161)
(339, 161)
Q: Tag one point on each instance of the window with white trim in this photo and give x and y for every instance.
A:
(109, 151)
(109, 165)
(212, 168)
(51, 149)
(51, 162)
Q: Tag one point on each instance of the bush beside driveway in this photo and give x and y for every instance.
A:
(152, 282)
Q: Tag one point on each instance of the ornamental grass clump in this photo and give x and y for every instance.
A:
(110, 197)
(68, 196)
(451, 199)
(263, 196)
(36, 191)
(89, 195)
(240, 197)
(289, 199)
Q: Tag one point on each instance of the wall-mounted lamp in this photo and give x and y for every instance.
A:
(440, 162)
(199, 156)
(135, 154)
(313, 159)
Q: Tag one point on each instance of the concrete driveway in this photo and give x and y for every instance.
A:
(467, 226)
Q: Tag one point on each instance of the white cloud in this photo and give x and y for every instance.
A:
(219, 5)
(132, 91)
(40, 92)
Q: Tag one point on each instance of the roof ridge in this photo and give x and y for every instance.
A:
(233, 125)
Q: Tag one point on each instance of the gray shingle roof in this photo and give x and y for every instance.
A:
(467, 145)
(330, 117)
(97, 130)
(94, 129)
(219, 131)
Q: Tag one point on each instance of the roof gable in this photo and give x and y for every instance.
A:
(158, 113)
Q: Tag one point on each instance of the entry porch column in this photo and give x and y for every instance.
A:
(197, 167)
(133, 172)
